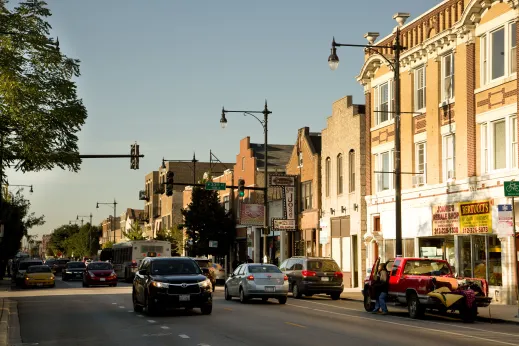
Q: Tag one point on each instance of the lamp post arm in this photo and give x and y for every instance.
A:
(252, 114)
(373, 49)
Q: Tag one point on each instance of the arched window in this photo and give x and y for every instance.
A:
(351, 170)
(327, 167)
(340, 177)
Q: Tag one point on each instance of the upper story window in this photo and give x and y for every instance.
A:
(419, 88)
(384, 163)
(499, 144)
(447, 82)
(327, 168)
(300, 159)
(384, 99)
(498, 53)
(448, 157)
(243, 163)
(351, 170)
(226, 203)
(340, 177)
(306, 195)
(420, 163)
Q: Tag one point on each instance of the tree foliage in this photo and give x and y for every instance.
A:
(108, 245)
(41, 112)
(72, 240)
(136, 232)
(206, 219)
(175, 236)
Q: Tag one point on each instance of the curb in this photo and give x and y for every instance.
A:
(10, 323)
(4, 322)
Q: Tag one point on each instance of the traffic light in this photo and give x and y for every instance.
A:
(241, 187)
(169, 183)
(134, 160)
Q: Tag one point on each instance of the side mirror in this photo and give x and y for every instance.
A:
(142, 272)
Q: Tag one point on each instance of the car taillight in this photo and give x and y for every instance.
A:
(250, 277)
(338, 274)
(308, 273)
(285, 278)
(134, 263)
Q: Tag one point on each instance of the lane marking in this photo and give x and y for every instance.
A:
(295, 324)
(204, 345)
(441, 331)
(228, 309)
(121, 307)
(139, 315)
(183, 336)
(151, 321)
(406, 319)
(114, 303)
(130, 310)
(164, 327)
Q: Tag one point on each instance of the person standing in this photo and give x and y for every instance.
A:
(381, 288)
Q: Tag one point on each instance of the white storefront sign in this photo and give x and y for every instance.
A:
(505, 226)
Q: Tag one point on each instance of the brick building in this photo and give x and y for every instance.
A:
(107, 228)
(459, 76)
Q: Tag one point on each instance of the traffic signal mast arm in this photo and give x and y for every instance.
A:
(227, 186)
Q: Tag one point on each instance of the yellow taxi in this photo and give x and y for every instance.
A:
(39, 276)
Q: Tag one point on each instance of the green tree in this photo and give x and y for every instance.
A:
(41, 112)
(49, 252)
(108, 245)
(60, 240)
(206, 219)
(175, 236)
(135, 232)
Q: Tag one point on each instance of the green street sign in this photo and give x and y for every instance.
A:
(511, 188)
(214, 186)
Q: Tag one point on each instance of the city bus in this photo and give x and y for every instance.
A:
(128, 255)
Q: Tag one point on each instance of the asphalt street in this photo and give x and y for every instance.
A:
(72, 315)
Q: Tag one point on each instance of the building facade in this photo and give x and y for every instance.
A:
(108, 235)
(305, 163)
(128, 218)
(344, 171)
(459, 79)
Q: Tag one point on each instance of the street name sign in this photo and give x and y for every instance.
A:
(214, 186)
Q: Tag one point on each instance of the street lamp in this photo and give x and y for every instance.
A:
(333, 61)
(193, 167)
(31, 190)
(89, 231)
(264, 124)
(114, 204)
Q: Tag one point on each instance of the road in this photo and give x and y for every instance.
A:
(72, 315)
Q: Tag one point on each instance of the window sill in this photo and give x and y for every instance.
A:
(382, 125)
(496, 82)
(419, 112)
(446, 102)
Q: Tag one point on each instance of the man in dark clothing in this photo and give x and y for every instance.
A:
(381, 286)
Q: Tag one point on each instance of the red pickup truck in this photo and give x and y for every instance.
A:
(423, 283)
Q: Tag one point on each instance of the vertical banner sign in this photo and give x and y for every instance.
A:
(290, 202)
(505, 226)
(445, 219)
(475, 217)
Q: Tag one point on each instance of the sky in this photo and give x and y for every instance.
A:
(159, 71)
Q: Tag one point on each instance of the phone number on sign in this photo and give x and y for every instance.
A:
(481, 229)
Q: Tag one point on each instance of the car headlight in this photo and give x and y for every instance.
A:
(160, 284)
(67, 272)
(205, 284)
(52, 277)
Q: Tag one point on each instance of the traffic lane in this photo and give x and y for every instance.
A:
(400, 312)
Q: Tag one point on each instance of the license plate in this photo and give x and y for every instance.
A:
(184, 298)
(40, 285)
(78, 275)
(102, 279)
(270, 289)
(325, 279)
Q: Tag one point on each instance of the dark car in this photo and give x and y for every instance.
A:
(169, 283)
(73, 270)
(207, 269)
(21, 268)
(57, 267)
(313, 275)
(99, 274)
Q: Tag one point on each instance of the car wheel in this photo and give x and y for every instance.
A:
(85, 284)
(264, 299)
(414, 307)
(206, 309)
(282, 300)
(150, 307)
(368, 304)
(114, 285)
(295, 291)
(136, 306)
(214, 286)
(64, 278)
(335, 296)
(226, 294)
(243, 297)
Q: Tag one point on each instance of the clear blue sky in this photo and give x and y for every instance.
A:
(159, 71)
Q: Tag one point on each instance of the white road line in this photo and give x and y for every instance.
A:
(114, 303)
(184, 336)
(121, 307)
(204, 345)
(139, 315)
(130, 310)
(405, 325)
(151, 321)
(164, 327)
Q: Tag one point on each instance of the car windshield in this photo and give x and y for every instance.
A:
(174, 267)
(263, 269)
(323, 266)
(426, 267)
(25, 265)
(38, 269)
(203, 263)
(62, 261)
(76, 265)
(99, 266)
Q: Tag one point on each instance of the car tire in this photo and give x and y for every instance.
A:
(226, 293)
(113, 285)
(64, 278)
(335, 296)
(264, 299)
(243, 297)
(85, 284)
(214, 286)
(150, 307)
(136, 306)
(282, 300)
(416, 310)
(295, 291)
(206, 309)
(368, 304)
(469, 315)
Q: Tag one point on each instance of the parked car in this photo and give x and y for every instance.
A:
(39, 276)
(207, 268)
(313, 275)
(263, 281)
(170, 283)
(99, 274)
(22, 268)
(59, 264)
(73, 270)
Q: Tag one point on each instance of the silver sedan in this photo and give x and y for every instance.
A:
(252, 280)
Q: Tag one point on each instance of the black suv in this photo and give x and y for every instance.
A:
(313, 275)
(171, 282)
(73, 270)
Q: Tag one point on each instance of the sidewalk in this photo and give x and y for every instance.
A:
(5, 284)
(495, 312)
(9, 323)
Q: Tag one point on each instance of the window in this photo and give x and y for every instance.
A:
(340, 178)
(448, 157)
(513, 48)
(306, 195)
(484, 148)
(419, 88)
(243, 163)
(351, 171)
(421, 162)
(226, 203)
(383, 114)
(448, 77)
(384, 164)
(327, 175)
(513, 136)
(484, 60)
(499, 144)
(498, 53)
(300, 159)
